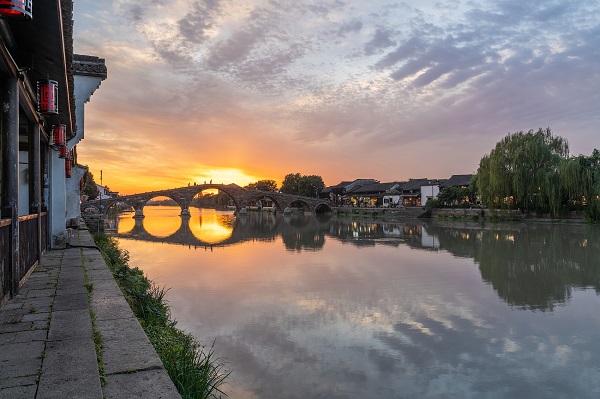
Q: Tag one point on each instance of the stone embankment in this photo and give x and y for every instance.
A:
(49, 333)
(396, 213)
(502, 214)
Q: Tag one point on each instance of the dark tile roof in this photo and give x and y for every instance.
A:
(341, 185)
(89, 65)
(375, 188)
(457, 181)
(414, 184)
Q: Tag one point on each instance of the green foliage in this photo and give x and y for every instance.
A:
(452, 197)
(579, 180)
(89, 186)
(291, 183)
(533, 172)
(263, 185)
(213, 201)
(308, 186)
(194, 370)
(520, 171)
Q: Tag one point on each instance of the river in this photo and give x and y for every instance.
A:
(321, 307)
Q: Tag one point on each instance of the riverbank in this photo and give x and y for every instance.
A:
(71, 334)
(449, 214)
(192, 367)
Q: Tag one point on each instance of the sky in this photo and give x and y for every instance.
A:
(238, 91)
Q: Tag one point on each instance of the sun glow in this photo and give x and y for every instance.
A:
(209, 228)
(223, 176)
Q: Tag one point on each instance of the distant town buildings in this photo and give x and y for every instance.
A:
(372, 193)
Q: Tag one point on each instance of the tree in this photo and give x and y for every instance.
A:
(263, 185)
(456, 196)
(521, 171)
(580, 182)
(90, 188)
(308, 186)
(291, 183)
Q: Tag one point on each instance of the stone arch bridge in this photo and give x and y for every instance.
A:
(241, 198)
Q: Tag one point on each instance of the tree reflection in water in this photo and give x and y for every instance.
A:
(531, 266)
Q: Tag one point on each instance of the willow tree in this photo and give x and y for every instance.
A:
(580, 179)
(521, 171)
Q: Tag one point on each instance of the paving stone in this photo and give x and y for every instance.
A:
(127, 355)
(99, 274)
(36, 316)
(110, 308)
(12, 305)
(69, 367)
(21, 350)
(116, 329)
(13, 316)
(68, 387)
(22, 392)
(31, 335)
(76, 288)
(7, 338)
(71, 280)
(144, 384)
(40, 307)
(70, 302)
(45, 292)
(70, 324)
(20, 368)
(39, 324)
(18, 381)
(15, 327)
(106, 287)
(71, 357)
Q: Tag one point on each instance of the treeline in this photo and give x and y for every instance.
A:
(533, 172)
(293, 183)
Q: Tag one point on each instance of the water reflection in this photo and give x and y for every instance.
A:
(529, 266)
(309, 307)
(532, 266)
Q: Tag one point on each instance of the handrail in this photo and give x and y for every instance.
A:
(5, 222)
(28, 217)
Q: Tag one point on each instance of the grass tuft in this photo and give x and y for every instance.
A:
(194, 369)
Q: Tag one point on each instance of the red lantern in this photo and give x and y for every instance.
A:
(47, 97)
(16, 9)
(68, 167)
(62, 151)
(59, 136)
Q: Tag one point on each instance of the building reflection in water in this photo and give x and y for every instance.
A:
(529, 266)
(345, 308)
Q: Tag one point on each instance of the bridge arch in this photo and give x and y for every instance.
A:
(181, 201)
(240, 197)
(279, 206)
(297, 203)
(232, 192)
(322, 207)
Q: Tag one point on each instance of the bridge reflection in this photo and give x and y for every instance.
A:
(298, 232)
(213, 229)
(529, 266)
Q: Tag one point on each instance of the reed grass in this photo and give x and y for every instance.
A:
(194, 369)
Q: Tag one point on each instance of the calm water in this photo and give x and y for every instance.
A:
(307, 307)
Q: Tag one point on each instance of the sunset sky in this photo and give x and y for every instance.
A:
(238, 91)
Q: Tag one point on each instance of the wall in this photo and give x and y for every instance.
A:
(74, 195)
(84, 88)
(426, 192)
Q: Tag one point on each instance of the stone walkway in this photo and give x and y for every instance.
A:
(47, 345)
